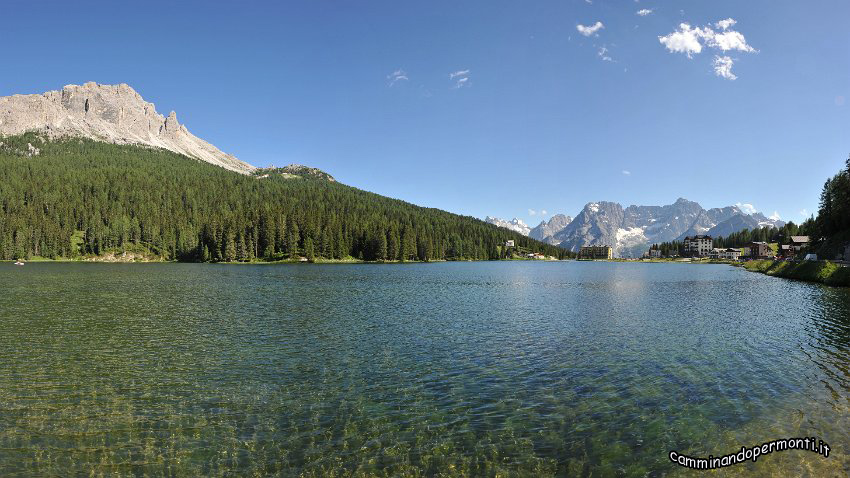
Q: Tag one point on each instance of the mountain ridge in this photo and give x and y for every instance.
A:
(631, 230)
(115, 114)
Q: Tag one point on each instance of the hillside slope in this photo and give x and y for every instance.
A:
(109, 197)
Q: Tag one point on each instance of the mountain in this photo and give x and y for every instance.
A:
(545, 231)
(599, 223)
(82, 198)
(114, 114)
(739, 222)
(630, 231)
(514, 224)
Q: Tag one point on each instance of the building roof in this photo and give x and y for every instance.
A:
(785, 247)
(800, 239)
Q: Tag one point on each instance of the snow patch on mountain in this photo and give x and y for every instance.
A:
(514, 224)
(630, 238)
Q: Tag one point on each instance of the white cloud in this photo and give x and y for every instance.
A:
(644, 12)
(747, 208)
(532, 212)
(626, 172)
(804, 212)
(691, 41)
(589, 30)
(461, 78)
(725, 24)
(730, 40)
(396, 76)
(603, 53)
(723, 67)
(543, 212)
(775, 216)
(685, 40)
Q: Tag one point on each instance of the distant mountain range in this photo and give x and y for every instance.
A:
(516, 225)
(545, 231)
(630, 231)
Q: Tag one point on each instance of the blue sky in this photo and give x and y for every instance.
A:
(482, 108)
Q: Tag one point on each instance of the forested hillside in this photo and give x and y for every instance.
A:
(833, 219)
(80, 197)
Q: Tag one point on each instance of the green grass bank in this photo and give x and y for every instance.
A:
(824, 272)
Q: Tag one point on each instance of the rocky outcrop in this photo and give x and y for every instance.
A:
(294, 171)
(545, 231)
(111, 113)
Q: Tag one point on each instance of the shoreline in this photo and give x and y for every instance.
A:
(111, 260)
(820, 272)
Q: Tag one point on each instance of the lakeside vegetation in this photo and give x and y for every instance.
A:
(824, 272)
(771, 235)
(830, 232)
(832, 225)
(81, 199)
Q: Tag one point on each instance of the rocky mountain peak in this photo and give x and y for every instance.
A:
(514, 224)
(545, 231)
(110, 113)
(632, 230)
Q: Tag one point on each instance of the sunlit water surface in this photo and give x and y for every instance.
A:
(480, 369)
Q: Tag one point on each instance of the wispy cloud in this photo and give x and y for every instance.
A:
(532, 212)
(543, 212)
(396, 76)
(725, 24)
(644, 12)
(603, 53)
(588, 30)
(775, 216)
(460, 77)
(626, 172)
(691, 41)
(723, 67)
(804, 212)
(746, 207)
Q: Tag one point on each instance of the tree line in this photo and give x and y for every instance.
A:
(832, 224)
(745, 237)
(82, 197)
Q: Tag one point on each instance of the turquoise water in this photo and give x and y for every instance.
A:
(459, 369)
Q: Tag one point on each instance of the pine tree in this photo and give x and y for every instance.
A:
(381, 250)
(293, 237)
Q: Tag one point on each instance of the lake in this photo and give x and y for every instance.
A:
(465, 369)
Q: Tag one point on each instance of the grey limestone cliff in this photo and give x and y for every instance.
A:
(111, 113)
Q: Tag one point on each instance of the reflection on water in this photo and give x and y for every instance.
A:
(564, 369)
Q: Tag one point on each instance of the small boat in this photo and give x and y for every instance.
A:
(19, 263)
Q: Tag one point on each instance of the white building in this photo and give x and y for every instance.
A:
(731, 254)
(698, 246)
